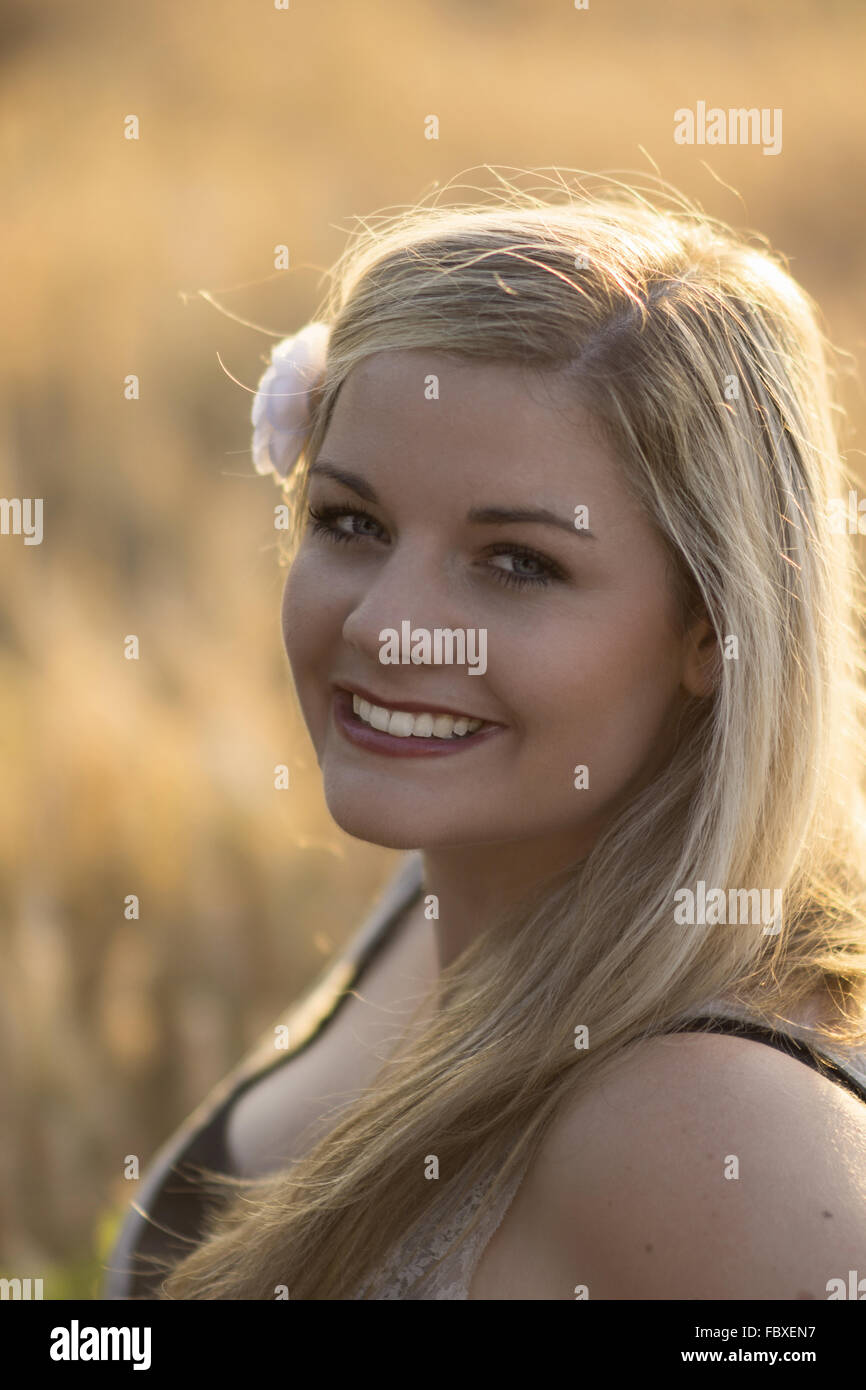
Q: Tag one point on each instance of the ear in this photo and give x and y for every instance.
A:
(701, 658)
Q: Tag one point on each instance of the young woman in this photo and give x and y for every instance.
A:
(593, 440)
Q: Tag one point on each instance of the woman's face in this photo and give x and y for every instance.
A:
(585, 665)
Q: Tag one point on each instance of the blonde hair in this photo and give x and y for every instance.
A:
(705, 366)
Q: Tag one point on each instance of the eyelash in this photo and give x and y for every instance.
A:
(322, 516)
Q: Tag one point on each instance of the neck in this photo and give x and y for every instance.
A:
(475, 884)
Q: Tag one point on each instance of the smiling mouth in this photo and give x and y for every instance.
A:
(403, 724)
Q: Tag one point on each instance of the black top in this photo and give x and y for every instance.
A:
(167, 1219)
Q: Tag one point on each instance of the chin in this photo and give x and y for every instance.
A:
(392, 827)
(363, 824)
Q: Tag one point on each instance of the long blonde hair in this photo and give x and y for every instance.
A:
(705, 366)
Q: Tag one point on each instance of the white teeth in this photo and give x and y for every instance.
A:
(379, 718)
(402, 724)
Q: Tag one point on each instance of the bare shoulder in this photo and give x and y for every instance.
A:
(706, 1166)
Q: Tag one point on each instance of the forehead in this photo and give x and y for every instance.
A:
(468, 419)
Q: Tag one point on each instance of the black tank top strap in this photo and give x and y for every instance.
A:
(785, 1042)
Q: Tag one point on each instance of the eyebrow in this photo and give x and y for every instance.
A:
(483, 516)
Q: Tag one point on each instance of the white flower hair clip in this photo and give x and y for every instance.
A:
(281, 409)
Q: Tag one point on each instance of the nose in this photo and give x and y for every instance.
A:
(411, 585)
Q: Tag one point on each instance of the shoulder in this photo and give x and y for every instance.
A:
(706, 1166)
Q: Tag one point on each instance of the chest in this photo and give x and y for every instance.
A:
(280, 1117)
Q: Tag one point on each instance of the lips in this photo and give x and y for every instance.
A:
(377, 741)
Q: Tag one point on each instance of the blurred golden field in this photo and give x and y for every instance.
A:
(155, 777)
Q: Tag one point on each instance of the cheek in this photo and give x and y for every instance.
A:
(604, 706)
(311, 631)
(310, 610)
(310, 640)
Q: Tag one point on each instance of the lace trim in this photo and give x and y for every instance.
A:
(428, 1240)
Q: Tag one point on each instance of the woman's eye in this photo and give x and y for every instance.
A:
(322, 519)
(541, 573)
